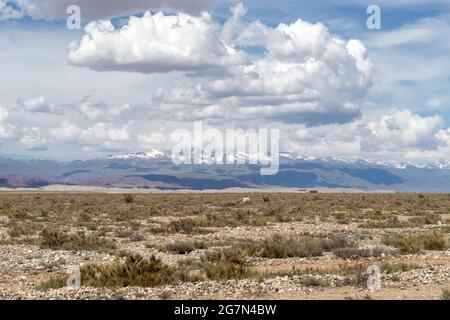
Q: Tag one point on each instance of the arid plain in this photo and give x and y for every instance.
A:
(224, 245)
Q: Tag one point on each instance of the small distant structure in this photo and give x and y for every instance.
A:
(245, 199)
(313, 191)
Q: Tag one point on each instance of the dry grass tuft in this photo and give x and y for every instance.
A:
(354, 253)
(183, 247)
(416, 243)
(54, 239)
(135, 271)
(445, 294)
(55, 283)
(279, 247)
(226, 264)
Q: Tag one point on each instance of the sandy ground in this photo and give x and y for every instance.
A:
(94, 189)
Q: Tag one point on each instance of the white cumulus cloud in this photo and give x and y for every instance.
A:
(154, 43)
(33, 139)
(68, 132)
(6, 129)
(398, 134)
(98, 110)
(401, 129)
(304, 75)
(106, 132)
(100, 136)
(151, 139)
(40, 105)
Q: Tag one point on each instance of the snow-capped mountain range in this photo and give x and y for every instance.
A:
(155, 154)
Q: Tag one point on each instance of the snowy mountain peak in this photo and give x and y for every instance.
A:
(153, 154)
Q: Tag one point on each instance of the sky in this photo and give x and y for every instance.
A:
(137, 70)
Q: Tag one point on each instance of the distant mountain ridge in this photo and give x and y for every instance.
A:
(438, 164)
(158, 154)
(155, 169)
